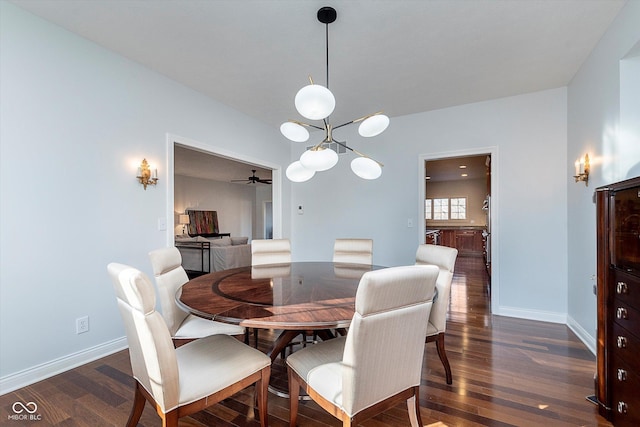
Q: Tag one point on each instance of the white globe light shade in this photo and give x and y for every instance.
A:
(366, 168)
(294, 132)
(298, 173)
(319, 160)
(315, 102)
(373, 126)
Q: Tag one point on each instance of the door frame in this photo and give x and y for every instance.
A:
(495, 232)
(276, 178)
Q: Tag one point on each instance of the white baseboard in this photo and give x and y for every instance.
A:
(542, 316)
(37, 373)
(582, 334)
(547, 316)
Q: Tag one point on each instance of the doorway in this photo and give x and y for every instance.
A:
(244, 165)
(267, 213)
(457, 201)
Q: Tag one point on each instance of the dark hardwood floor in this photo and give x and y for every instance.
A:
(506, 372)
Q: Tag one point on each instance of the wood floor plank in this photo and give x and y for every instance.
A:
(506, 372)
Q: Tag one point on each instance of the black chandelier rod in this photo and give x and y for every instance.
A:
(327, 50)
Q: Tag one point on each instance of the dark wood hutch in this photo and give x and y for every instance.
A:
(618, 293)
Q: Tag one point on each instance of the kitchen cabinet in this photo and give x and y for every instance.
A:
(448, 238)
(468, 241)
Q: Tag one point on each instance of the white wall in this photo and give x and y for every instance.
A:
(530, 240)
(76, 122)
(595, 126)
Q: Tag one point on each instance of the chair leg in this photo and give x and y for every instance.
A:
(170, 419)
(138, 406)
(413, 406)
(443, 357)
(262, 388)
(294, 393)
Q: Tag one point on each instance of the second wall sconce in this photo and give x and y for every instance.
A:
(144, 175)
(582, 169)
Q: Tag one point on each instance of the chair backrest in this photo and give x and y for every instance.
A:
(445, 258)
(169, 274)
(385, 343)
(270, 251)
(354, 251)
(153, 357)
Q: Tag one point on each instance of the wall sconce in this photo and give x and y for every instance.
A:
(582, 170)
(144, 174)
(184, 220)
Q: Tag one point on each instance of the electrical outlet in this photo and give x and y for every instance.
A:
(82, 325)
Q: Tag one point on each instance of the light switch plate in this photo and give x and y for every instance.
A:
(162, 224)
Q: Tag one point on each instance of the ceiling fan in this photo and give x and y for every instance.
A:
(253, 179)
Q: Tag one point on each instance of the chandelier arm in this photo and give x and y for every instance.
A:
(358, 120)
(306, 124)
(320, 144)
(366, 117)
(344, 124)
(356, 151)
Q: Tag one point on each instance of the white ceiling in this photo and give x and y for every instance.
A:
(451, 169)
(399, 56)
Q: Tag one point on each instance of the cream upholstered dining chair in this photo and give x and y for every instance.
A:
(445, 258)
(182, 381)
(170, 276)
(360, 375)
(353, 251)
(270, 251)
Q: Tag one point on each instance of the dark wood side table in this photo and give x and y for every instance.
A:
(205, 253)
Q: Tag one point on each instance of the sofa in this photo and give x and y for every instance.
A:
(224, 253)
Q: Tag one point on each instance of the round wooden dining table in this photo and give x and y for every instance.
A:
(293, 297)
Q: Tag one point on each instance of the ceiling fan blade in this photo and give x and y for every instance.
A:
(252, 179)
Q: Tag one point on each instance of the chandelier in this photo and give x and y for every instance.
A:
(316, 102)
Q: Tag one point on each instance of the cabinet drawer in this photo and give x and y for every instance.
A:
(627, 317)
(626, 288)
(625, 380)
(625, 406)
(626, 345)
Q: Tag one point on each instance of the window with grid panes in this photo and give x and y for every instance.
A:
(427, 209)
(445, 209)
(458, 208)
(441, 209)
